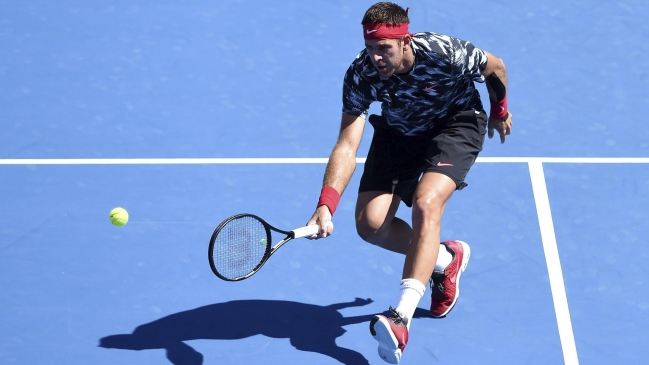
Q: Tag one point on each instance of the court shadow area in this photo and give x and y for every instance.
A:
(308, 327)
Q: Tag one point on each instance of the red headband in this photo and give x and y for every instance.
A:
(383, 31)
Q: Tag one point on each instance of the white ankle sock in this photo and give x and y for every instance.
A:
(444, 258)
(411, 292)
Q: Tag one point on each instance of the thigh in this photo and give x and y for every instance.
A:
(433, 192)
(376, 209)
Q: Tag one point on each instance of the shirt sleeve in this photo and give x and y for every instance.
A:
(357, 92)
(468, 60)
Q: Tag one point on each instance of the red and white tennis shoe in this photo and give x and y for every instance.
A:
(391, 334)
(445, 286)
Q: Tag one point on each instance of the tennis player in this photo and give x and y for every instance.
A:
(430, 131)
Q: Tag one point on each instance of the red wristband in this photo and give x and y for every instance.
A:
(499, 109)
(329, 197)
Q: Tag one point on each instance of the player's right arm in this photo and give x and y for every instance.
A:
(341, 166)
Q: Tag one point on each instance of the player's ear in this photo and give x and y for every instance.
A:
(406, 42)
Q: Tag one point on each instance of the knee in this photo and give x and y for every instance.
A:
(370, 231)
(428, 209)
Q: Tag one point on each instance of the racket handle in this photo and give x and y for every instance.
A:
(308, 230)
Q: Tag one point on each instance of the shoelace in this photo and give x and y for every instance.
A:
(437, 284)
(396, 317)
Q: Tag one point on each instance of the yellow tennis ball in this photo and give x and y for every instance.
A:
(118, 216)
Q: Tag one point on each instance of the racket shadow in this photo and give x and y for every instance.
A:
(309, 327)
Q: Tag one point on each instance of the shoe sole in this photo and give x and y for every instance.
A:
(388, 345)
(465, 262)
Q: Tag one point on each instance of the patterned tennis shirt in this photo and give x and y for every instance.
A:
(440, 84)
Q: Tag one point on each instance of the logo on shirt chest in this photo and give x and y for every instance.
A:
(430, 87)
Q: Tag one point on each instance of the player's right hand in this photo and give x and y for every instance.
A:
(322, 217)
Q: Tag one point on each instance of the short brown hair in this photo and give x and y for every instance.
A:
(385, 13)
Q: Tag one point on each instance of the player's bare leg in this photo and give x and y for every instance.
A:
(431, 196)
(376, 223)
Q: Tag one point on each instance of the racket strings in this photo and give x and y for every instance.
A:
(240, 247)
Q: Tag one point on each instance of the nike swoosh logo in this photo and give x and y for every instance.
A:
(428, 88)
(371, 31)
(502, 108)
(444, 164)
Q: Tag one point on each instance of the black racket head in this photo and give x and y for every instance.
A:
(239, 246)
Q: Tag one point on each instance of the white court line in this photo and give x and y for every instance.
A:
(554, 265)
(161, 161)
(197, 161)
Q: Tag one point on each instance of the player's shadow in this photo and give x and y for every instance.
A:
(309, 327)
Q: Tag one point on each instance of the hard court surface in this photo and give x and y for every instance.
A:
(166, 108)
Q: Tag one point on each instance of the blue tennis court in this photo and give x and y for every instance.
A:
(186, 113)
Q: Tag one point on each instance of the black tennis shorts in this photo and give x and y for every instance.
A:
(396, 162)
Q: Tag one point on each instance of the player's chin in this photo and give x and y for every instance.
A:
(383, 71)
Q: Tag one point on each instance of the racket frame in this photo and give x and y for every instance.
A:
(270, 250)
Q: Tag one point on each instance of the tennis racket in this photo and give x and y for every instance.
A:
(242, 244)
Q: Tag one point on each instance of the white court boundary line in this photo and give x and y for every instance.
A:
(542, 201)
(198, 161)
(557, 286)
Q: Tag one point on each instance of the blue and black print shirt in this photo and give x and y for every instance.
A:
(440, 84)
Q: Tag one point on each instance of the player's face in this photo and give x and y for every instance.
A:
(386, 55)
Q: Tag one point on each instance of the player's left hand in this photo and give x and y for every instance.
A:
(503, 126)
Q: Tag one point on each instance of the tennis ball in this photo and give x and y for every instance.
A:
(262, 241)
(118, 216)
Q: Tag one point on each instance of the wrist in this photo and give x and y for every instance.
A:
(330, 198)
(499, 109)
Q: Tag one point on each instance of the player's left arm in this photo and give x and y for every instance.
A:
(500, 119)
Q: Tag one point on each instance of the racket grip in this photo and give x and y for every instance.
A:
(308, 230)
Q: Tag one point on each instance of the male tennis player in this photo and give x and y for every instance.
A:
(430, 131)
